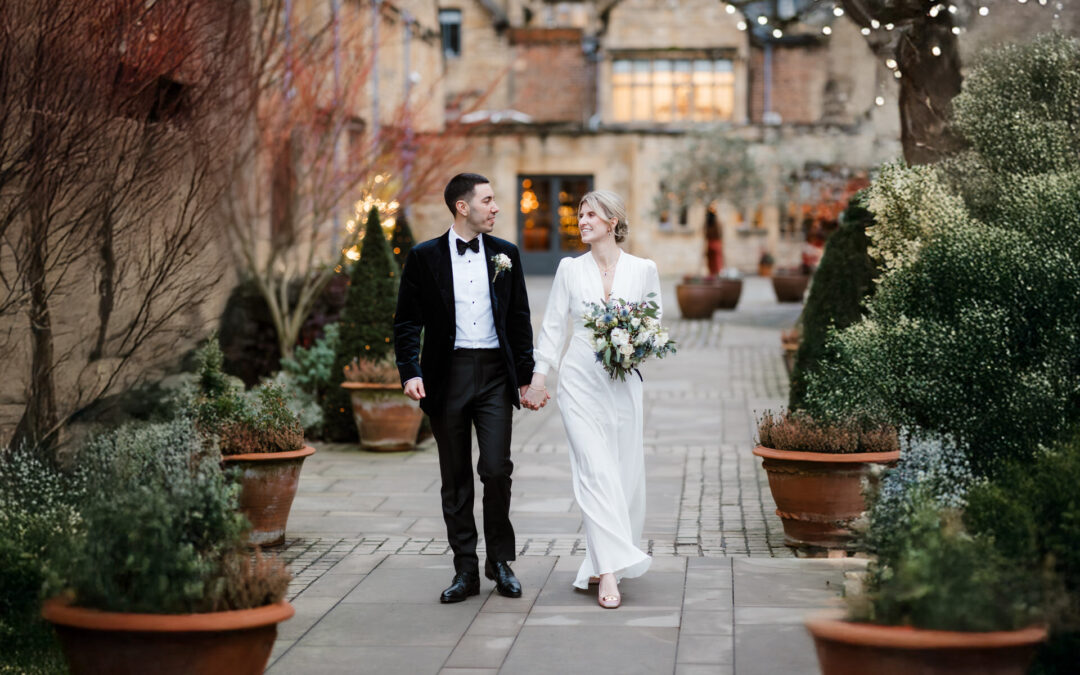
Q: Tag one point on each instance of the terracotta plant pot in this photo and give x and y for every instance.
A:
(790, 286)
(227, 643)
(386, 418)
(727, 292)
(268, 482)
(764, 269)
(696, 301)
(848, 648)
(818, 494)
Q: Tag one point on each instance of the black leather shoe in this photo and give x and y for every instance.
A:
(464, 585)
(505, 581)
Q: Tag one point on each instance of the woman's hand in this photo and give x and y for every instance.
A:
(535, 398)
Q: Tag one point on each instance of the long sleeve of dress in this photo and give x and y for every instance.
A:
(553, 328)
(652, 285)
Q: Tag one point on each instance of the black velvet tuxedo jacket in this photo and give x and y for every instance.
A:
(426, 303)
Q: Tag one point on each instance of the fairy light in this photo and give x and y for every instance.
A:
(889, 26)
(983, 11)
(952, 9)
(838, 11)
(777, 33)
(890, 64)
(880, 100)
(762, 20)
(896, 74)
(935, 50)
(934, 11)
(864, 31)
(730, 9)
(826, 30)
(741, 25)
(956, 30)
(875, 24)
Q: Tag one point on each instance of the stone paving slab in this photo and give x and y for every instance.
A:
(368, 546)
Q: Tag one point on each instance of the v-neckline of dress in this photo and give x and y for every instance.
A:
(600, 275)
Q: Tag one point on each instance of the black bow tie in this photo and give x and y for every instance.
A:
(463, 245)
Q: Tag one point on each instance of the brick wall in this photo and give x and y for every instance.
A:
(799, 75)
(551, 79)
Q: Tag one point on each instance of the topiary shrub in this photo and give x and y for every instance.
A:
(401, 241)
(967, 335)
(366, 325)
(843, 281)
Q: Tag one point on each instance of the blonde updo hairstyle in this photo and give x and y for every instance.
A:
(609, 205)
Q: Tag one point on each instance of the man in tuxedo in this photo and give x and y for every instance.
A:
(475, 364)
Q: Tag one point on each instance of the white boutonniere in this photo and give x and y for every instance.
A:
(502, 264)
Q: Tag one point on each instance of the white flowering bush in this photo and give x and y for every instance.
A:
(973, 332)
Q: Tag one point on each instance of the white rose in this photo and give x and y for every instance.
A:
(626, 350)
(600, 343)
(620, 337)
(651, 323)
(635, 323)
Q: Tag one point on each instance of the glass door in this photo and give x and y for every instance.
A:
(547, 220)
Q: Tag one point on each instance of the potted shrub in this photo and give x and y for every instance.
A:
(945, 602)
(158, 576)
(386, 419)
(815, 471)
(790, 284)
(765, 264)
(260, 437)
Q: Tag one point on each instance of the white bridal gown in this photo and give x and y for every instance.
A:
(603, 417)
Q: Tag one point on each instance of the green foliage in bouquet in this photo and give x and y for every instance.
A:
(160, 531)
(367, 323)
(259, 421)
(971, 333)
(842, 282)
(627, 333)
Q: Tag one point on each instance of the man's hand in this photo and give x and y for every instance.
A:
(414, 389)
(533, 398)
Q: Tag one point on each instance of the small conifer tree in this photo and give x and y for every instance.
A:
(401, 241)
(366, 324)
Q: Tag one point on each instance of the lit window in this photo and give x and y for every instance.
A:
(450, 26)
(672, 90)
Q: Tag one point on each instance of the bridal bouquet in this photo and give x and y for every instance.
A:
(625, 334)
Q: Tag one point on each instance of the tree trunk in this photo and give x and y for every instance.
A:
(106, 285)
(927, 87)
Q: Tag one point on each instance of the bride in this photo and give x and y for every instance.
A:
(603, 417)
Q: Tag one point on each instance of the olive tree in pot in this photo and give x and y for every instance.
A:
(158, 571)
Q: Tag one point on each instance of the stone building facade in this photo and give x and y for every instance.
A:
(570, 96)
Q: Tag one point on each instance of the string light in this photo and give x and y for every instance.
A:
(952, 9)
(934, 11)
(956, 30)
(777, 33)
(741, 25)
(1022, 2)
(827, 30)
(864, 31)
(875, 24)
(889, 26)
(880, 100)
(762, 20)
(730, 9)
(838, 11)
(890, 64)
(983, 11)
(896, 74)
(935, 50)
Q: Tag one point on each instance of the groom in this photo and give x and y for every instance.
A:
(466, 292)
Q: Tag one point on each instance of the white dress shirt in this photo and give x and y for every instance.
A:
(474, 322)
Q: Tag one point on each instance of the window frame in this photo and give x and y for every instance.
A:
(634, 89)
(450, 51)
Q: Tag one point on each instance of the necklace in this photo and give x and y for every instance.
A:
(604, 270)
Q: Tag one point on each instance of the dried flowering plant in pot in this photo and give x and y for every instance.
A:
(158, 507)
(816, 471)
(386, 419)
(260, 438)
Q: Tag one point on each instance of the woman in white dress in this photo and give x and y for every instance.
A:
(603, 417)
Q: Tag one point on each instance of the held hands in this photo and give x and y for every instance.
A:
(533, 397)
(414, 389)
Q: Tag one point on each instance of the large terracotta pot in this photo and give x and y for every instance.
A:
(818, 494)
(386, 418)
(849, 648)
(727, 293)
(268, 482)
(790, 286)
(236, 642)
(696, 301)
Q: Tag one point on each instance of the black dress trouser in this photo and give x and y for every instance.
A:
(477, 394)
